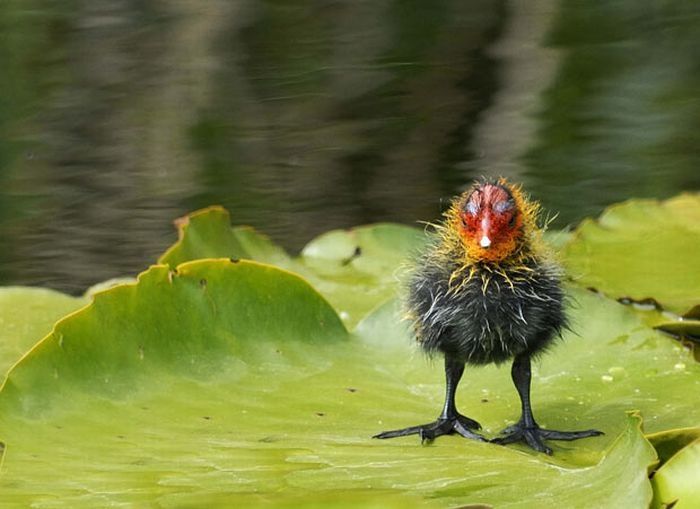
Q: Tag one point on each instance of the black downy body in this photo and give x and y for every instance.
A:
(488, 316)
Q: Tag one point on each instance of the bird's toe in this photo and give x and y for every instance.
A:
(443, 426)
(533, 438)
(466, 432)
(467, 422)
(569, 435)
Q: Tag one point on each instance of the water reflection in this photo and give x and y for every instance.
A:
(303, 116)
(621, 117)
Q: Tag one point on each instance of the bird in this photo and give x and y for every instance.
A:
(487, 290)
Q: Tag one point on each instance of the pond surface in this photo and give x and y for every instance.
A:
(300, 116)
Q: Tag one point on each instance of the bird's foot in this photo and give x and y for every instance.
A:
(442, 426)
(534, 436)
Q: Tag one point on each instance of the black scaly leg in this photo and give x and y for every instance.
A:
(526, 429)
(450, 421)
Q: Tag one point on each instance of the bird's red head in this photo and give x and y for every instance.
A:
(490, 221)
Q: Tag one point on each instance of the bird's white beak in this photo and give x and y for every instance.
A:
(485, 242)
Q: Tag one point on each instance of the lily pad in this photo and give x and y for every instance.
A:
(641, 249)
(227, 382)
(375, 250)
(668, 443)
(685, 327)
(27, 314)
(359, 268)
(355, 269)
(676, 482)
(207, 233)
(235, 384)
(688, 329)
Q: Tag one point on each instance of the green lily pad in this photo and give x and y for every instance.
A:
(676, 483)
(27, 314)
(235, 384)
(693, 314)
(685, 327)
(359, 268)
(207, 233)
(641, 249)
(354, 269)
(375, 250)
(689, 329)
(679, 482)
(668, 443)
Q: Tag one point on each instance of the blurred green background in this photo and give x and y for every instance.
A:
(117, 116)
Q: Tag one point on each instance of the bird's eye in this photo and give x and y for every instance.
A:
(502, 206)
(472, 208)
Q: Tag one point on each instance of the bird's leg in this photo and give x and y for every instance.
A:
(450, 421)
(526, 429)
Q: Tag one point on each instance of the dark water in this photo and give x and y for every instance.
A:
(117, 116)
